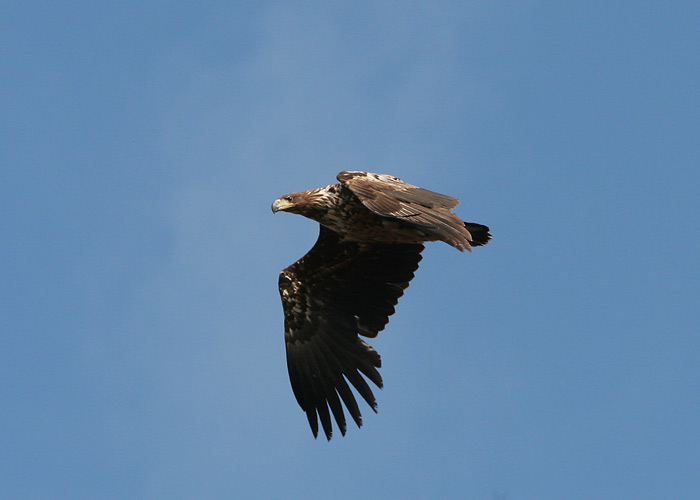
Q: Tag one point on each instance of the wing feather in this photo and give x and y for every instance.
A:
(420, 208)
(387, 189)
(337, 291)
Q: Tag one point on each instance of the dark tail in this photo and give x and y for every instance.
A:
(480, 234)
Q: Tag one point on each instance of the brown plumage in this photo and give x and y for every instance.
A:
(373, 227)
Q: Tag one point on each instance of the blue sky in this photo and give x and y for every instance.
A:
(141, 144)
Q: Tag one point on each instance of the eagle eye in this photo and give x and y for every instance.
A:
(289, 198)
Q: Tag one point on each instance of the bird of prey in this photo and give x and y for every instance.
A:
(373, 227)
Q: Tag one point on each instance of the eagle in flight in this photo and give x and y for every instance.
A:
(373, 227)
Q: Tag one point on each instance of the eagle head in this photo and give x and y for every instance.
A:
(288, 202)
(307, 203)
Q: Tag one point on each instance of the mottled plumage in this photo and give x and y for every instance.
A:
(373, 227)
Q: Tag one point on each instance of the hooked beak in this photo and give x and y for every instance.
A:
(280, 204)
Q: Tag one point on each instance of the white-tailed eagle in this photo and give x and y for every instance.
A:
(373, 227)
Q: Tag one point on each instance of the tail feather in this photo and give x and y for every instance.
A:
(480, 233)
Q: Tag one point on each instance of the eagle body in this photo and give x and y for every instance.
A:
(373, 227)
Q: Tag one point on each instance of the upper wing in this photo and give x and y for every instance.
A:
(417, 207)
(383, 191)
(335, 292)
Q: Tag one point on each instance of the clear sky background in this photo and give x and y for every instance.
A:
(141, 345)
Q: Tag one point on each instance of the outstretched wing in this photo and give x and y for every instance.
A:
(425, 210)
(335, 292)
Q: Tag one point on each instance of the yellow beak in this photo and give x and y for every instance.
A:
(280, 204)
